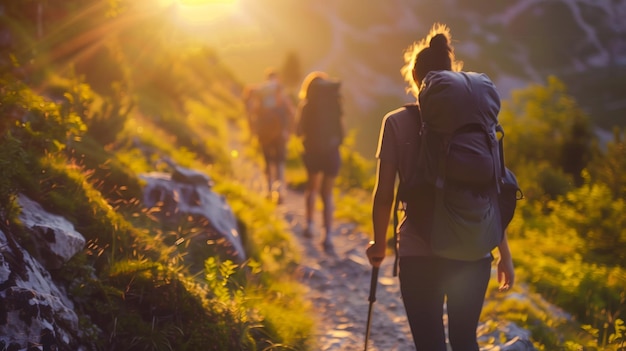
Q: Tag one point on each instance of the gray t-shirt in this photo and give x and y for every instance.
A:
(396, 145)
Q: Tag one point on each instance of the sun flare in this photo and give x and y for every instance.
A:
(200, 12)
(195, 2)
(204, 2)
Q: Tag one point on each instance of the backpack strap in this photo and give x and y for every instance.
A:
(415, 111)
(396, 221)
(500, 171)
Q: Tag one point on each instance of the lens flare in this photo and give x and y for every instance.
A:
(194, 13)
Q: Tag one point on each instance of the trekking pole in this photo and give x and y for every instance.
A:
(372, 299)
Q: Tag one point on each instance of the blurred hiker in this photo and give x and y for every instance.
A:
(429, 276)
(272, 115)
(320, 125)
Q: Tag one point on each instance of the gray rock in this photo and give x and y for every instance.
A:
(54, 237)
(35, 310)
(190, 194)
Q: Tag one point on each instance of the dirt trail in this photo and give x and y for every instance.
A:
(339, 288)
(339, 285)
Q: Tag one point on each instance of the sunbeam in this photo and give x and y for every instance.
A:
(197, 13)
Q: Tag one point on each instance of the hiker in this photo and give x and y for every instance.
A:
(272, 113)
(321, 127)
(426, 279)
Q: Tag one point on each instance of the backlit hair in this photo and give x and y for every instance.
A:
(412, 52)
(308, 80)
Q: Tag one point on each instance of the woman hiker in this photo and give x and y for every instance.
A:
(321, 127)
(427, 280)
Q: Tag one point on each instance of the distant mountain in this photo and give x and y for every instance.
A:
(515, 42)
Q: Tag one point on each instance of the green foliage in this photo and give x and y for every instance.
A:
(104, 116)
(609, 167)
(265, 233)
(193, 135)
(613, 335)
(356, 172)
(11, 156)
(121, 185)
(565, 274)
(599, 219)
(544, 124)
(355, 206)
(619, 336)
(287, 321)
(105, 123)
(296, 174)
(39, 124)
(547, 326)
(158, 309)
(567, 238)
(541, 182)
(35, 128)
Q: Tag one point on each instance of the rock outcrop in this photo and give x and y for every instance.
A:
(37, 314)
(187, 194)
(33, 309)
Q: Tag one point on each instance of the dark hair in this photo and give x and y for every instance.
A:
(438, 56)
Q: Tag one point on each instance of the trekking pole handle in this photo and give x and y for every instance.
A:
(373, 284)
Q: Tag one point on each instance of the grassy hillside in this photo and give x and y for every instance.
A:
(78, 129)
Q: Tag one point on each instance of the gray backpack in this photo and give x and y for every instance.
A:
(459, 193)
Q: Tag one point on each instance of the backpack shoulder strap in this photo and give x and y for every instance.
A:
(500, 130)
(415, 111)
(500, 171)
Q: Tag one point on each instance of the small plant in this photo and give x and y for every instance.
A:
(618, 338)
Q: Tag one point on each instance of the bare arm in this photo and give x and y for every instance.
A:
(381, 210)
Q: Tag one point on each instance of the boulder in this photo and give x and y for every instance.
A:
(33, 309)
(54, 238)
(186, 194)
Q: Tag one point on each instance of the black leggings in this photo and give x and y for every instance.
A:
(425, 282)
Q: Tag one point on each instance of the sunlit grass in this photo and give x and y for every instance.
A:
(287, 314)
(549, 256)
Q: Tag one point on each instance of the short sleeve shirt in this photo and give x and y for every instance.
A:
(397, 137)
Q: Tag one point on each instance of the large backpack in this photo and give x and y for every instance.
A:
(320, 121)
(459, 194)
(271, 113)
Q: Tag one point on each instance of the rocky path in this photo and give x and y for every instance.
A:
(339, 288)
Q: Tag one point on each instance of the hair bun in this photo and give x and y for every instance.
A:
(439, 42)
